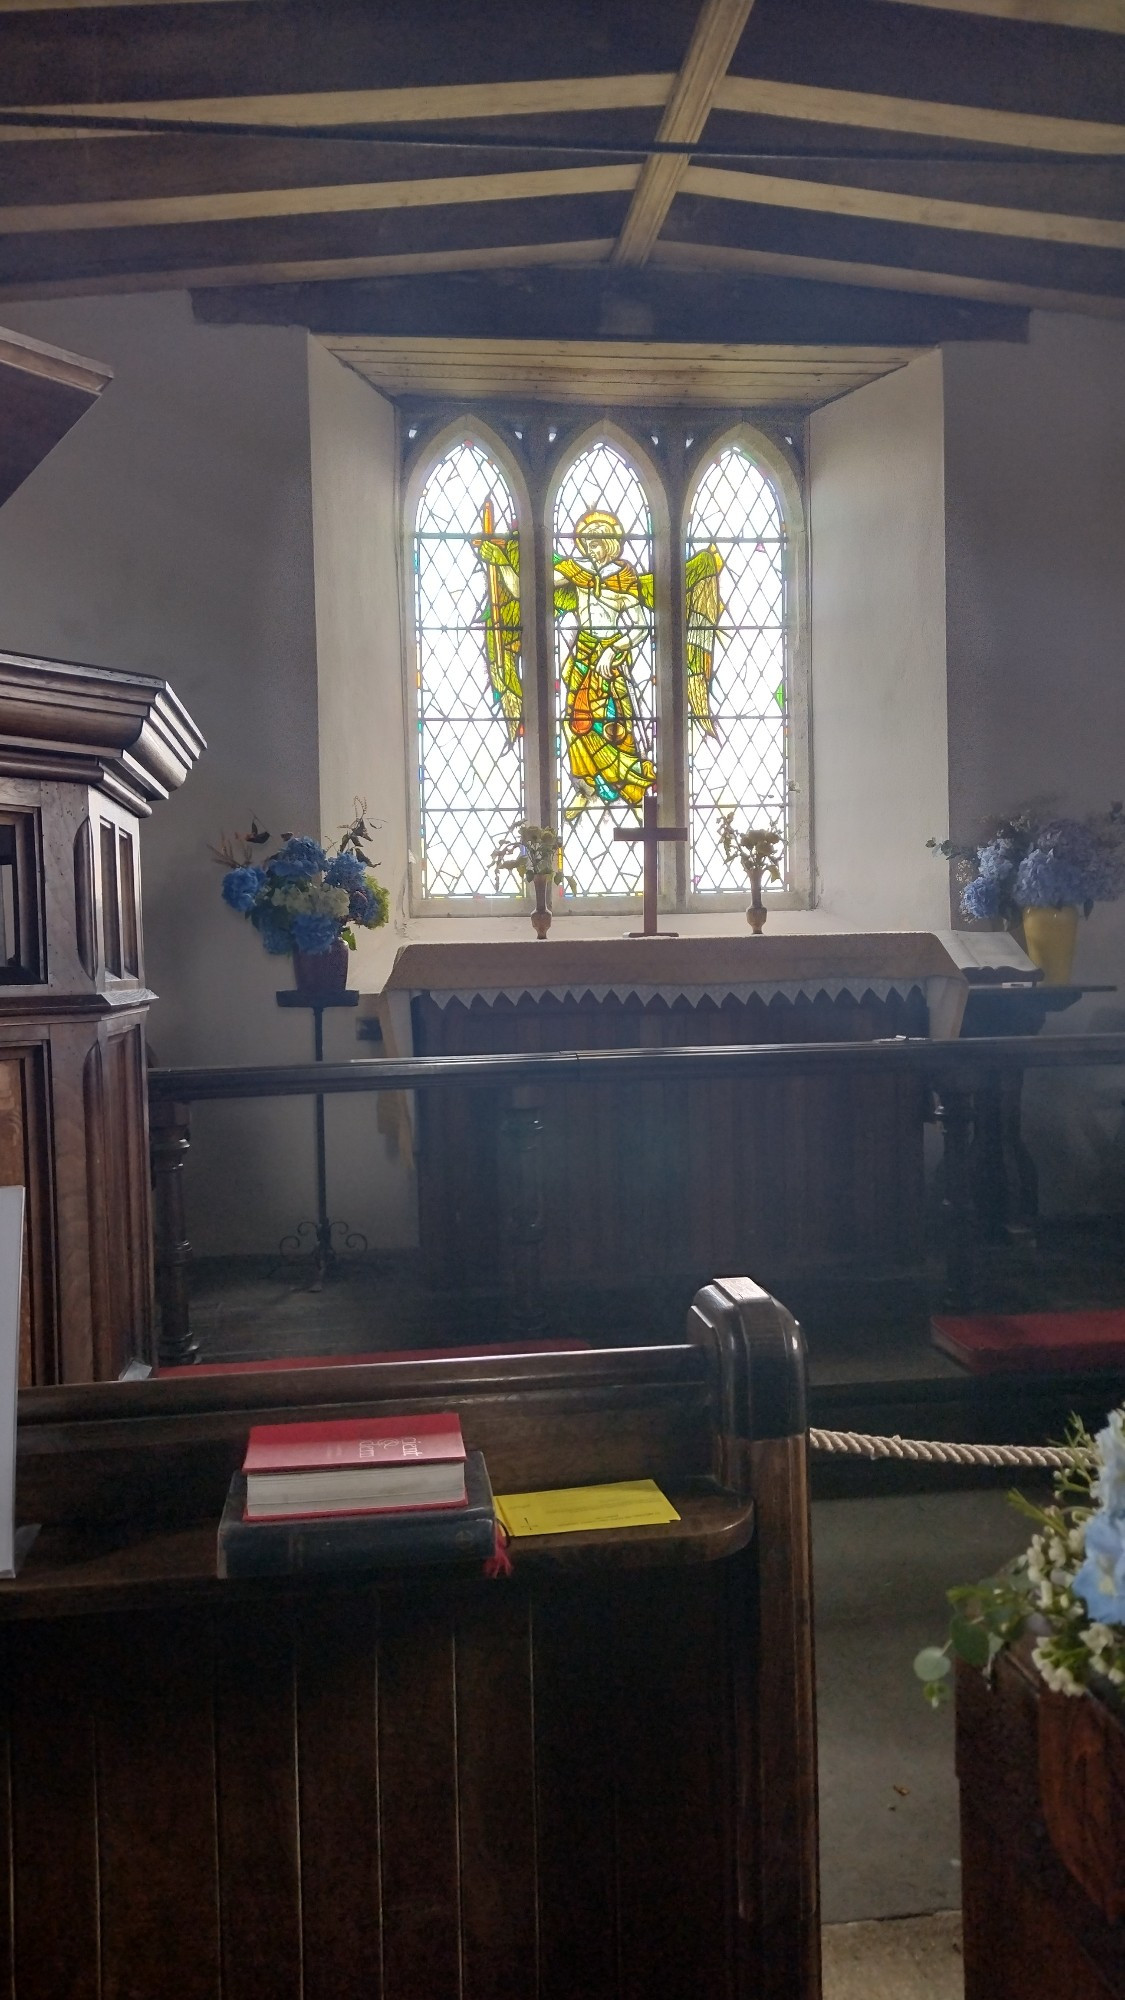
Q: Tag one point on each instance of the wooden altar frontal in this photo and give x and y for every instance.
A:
(672, 1180)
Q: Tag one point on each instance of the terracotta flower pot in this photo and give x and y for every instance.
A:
(1050, 935)
(322, 971)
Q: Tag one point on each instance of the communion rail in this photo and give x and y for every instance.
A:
(956, 1074)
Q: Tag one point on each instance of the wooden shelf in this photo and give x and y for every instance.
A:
(67, 1574)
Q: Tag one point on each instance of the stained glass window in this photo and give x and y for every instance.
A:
(737, 662)
(469, 665)
(605, 667)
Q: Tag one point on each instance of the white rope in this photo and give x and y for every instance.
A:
(855, 1444)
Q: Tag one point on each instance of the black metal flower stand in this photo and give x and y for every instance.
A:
(321, 1232)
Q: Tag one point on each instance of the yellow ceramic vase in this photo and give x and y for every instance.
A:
(1050, 935)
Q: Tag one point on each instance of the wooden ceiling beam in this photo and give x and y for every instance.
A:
(718, 31)
(882, 205)
(322, 270)
(410, 105)
(188, 55)
(73, 6)
(866, 46)
(1107, 16)
(869, 111)
(616, 303)
(695, 256)
(35, 218)
(857, 239)
(121, 260)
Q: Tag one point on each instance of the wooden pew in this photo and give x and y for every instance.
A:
(595, 1777)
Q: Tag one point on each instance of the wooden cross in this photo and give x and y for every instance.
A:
(650, 835)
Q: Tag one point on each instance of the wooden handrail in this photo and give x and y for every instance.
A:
(952, 1071)
(967, 1057)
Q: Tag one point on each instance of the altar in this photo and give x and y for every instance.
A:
(666, 1181)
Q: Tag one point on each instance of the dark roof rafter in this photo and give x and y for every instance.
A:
(664, 305)
(976, 148)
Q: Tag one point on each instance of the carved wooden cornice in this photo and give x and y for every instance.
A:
(126, 734)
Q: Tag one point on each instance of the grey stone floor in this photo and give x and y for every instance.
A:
(905, 1958)
(888, 1795)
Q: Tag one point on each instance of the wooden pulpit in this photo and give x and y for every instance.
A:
(594, 1777)
(84, 755)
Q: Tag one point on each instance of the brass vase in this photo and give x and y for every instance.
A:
(541, 915)
(1050, 934)
(756, 912)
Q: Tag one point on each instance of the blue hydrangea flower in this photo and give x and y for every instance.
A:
(241, 887)
(1100, 1582)
(981, 897)
(275, 937)
(298, 859)
(1109, 1487)
(1044, 880)
(996, 862)
(315, 934)
(364, 904)
(345, 871)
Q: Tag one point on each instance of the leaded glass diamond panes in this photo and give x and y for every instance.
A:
(470, 674)
(737, 663)
(605, 668)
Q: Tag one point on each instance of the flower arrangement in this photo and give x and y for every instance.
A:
(1068, 1586)
(528, 851)
(757, 848)
(303, 898)
(1043, 864)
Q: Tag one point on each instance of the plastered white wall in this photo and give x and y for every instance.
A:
(1035, 525)
(354, 460)
(171, 533)
(877, 538)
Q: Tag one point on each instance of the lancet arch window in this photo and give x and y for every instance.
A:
(666, 654)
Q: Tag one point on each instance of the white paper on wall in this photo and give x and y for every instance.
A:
(11, 1270)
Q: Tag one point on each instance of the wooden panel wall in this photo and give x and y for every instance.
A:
(480, 1791)
(25, 1162)
(119, 1197)
(654, 1180)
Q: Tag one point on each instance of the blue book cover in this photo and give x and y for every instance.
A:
(347, 1542)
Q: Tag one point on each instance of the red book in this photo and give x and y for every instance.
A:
(354, 1441)
(358, 1464)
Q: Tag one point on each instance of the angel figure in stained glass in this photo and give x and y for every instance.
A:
(704, 629)
(611, 602)
(500, 555)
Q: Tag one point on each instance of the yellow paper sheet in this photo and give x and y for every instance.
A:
(629, 1503)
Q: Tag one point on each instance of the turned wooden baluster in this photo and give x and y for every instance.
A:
(522, 1211)
(170, 1143)
(955, 1116)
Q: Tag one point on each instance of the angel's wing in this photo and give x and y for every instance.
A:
(704, 620)
(502, 637)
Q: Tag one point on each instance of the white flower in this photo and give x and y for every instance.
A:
(1077, 1539)
(1097, 1637)
(1058, 1678)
